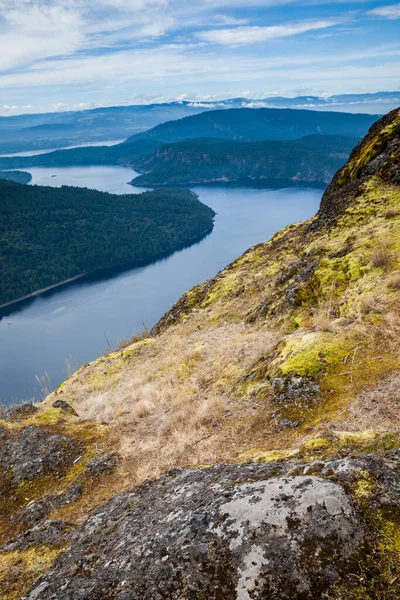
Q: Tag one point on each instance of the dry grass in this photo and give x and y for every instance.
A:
(369, 303)
(394, 281)
(382, 256)
(135, 337)
(375, 409)
(170, 405)
(323, 322)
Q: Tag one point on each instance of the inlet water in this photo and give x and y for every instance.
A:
(74, 324)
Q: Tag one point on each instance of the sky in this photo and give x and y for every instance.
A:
(77, 54)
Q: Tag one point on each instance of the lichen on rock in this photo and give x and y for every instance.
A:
(228, 532)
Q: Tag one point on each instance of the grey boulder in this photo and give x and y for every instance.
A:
(233, 532)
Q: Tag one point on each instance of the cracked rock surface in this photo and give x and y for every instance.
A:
(229, 532)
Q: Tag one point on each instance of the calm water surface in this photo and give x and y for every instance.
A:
(79, 321)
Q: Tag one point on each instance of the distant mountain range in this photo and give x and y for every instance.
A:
(226, 145)
(32, 132)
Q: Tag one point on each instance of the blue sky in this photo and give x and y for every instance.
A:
(65, 54)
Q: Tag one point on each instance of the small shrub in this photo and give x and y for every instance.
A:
(391, 213)
(382, 256)
(323, 322)
(135, 337)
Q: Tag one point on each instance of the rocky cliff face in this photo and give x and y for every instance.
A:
(283, 370)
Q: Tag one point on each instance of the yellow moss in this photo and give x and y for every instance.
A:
(20, 569)
(369, 151)
(365, 485)
(187, 368)
(266, 457)
(312, 353)
(316, 445)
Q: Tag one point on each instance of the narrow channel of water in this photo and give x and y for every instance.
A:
(79, 321)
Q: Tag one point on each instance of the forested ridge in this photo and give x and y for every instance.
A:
(49, 235)
(18, 176)
(313, 158)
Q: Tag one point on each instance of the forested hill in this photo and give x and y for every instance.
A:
(313, 158)
(249, 124)
(48, 235)
(18, 176)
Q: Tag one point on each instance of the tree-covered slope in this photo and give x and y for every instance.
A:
(48, 235)
(249, 125)
(313, 158)
(17, 176)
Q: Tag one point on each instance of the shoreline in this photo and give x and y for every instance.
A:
(259, 183)
(44, 290)
(119, 268)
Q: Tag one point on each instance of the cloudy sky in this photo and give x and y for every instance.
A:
(63, 54)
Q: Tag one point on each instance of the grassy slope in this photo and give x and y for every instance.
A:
(227, 339)
(204, 390)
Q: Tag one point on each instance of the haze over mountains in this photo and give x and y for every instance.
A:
(60, 129)
(225, 145)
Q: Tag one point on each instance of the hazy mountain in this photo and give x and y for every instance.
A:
(259, 124)
(49, 130)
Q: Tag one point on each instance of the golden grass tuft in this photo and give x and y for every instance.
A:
(394, 281)
(323, 322)
(369, 303)
(382, 256)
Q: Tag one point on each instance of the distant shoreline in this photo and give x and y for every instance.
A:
(259, 183)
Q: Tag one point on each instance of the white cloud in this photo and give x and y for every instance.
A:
(32, 30)
(387, 12)
(240, 36)
(229, 21)
(33, 33)
(66, 52)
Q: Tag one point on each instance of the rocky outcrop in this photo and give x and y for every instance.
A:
(50, 533)
(377, 155)
(35, 453)
(19, 412)
(232, 532)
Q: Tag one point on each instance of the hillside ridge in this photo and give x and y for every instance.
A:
(284, 369)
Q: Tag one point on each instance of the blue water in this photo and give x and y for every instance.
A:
(79, 321)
